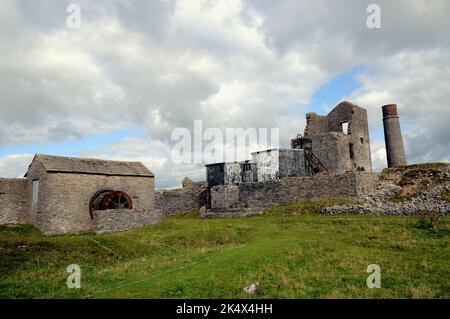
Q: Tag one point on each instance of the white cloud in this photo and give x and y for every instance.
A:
(15, 165)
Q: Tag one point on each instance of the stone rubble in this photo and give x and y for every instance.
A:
(378, 202)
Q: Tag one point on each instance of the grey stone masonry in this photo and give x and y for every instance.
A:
(395, 149)
(181, 200)
(274, 164)
(107, 221)
(340, 140)
(13, 200)
(269, 193)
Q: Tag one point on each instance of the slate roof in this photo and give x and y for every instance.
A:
(92, 166)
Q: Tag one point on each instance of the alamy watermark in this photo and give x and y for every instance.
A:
(374, 18)
(74, 279)
(73, 21)
(213, 145)
(374, 279)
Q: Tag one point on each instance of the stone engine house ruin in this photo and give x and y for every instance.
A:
(331, 159)
(335, 143)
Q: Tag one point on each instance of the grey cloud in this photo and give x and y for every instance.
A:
(150, 64)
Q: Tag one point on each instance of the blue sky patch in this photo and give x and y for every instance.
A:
(72, 147)
(332, 92)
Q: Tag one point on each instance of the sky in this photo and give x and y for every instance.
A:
(117, 86)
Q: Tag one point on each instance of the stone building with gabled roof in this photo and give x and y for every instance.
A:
(63, 195)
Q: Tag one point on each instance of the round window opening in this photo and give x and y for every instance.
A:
(108, 199)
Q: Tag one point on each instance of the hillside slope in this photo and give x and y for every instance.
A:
(407, 190)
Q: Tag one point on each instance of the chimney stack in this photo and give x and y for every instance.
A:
(395, 149)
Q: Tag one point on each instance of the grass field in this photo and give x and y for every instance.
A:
(293, 251)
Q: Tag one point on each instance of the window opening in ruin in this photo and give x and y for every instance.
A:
(344, 126)
(35, 197)
(362, 140)
(246, 167)
(352, 153)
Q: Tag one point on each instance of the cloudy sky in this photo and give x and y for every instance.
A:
(118, 86)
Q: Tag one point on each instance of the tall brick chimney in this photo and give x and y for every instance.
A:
(395, 149)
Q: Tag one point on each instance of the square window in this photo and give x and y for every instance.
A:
(344, 126)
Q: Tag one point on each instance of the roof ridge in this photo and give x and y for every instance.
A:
(52, 163)
(88, 158)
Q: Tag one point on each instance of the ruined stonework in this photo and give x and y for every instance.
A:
(266, 194)
(230, 173)
(59, 195)
(182, 200)
(395, 150)
(405, 190)
(13, 200)
(278, 163)
(340, 140)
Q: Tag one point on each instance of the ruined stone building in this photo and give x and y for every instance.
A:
(332, 159)
(340, 140)
(337, 142)
(61, 195)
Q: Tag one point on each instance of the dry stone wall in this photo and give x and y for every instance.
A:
(107, 221)
(13, 201)
(182, 200)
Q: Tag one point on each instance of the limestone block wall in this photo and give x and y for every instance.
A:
(181, 200)
(332, 150)
(224, 174)
(215, 174)
(226, 196)
(366, 183)
(107, 221)
(267, 165)
(68, 197)
(292, 163)
(14, 200)
(266, 194)
(232, 173)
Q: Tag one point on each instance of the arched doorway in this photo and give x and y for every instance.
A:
(110, 199)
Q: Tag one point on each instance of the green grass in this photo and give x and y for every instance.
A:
(291, 250)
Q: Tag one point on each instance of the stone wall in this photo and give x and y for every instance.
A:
(278, 163)
(14, 201)
(107, 221)
(182, 200)
(267, 165)
(232, 173)
(269, 193)
(215, 174)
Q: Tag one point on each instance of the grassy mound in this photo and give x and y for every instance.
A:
(295, 254)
